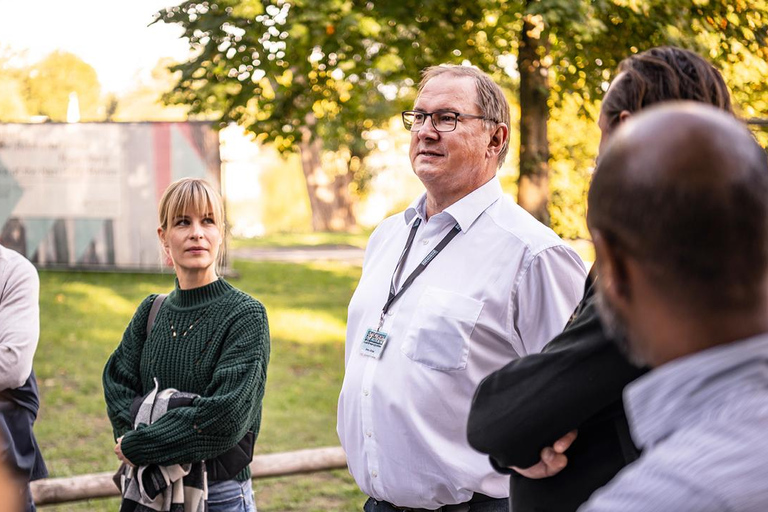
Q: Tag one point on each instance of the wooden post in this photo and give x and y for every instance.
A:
(99, 485)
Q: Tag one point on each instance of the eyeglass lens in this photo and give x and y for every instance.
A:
(442, 121)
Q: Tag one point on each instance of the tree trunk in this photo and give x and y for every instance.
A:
(533, 184)
(329, 197)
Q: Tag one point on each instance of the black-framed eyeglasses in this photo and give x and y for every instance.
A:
(443, 120)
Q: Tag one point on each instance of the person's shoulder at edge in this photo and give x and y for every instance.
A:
(12, 260)
(244, 299)
(382, 233)
(247, 314)
(517, 222)
(690, 471)
(138, 323)
(388, 224)
(245, 304)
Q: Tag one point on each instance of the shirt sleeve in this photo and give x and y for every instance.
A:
(545, 297)
(216, 421)
(121, 373)
(19, 323)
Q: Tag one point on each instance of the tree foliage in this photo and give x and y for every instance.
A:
(328, 70)
(277, 68)
(50, 81)
(12, 105)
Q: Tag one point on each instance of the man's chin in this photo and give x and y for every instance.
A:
(426, 172)
(615, 328)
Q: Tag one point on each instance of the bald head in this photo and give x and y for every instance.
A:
(683, 189)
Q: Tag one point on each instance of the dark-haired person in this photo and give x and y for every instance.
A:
(527, 414)
(678, 211)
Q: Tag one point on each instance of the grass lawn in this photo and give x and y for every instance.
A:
(83, 316)
(303, 240)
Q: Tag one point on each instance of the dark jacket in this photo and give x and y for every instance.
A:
(575, 383)
(18, 446)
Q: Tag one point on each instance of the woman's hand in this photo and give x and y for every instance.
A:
(119, 453)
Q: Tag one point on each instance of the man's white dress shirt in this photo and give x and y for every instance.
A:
(499, 290)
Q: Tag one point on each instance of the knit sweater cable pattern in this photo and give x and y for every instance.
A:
(222, 357)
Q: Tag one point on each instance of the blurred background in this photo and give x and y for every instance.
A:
(292, 107)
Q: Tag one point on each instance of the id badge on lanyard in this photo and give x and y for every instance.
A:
(375, 340)
(373, 343)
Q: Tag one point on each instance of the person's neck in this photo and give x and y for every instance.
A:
(434, 206)
(437, 202)
(191, 279)
(685, 334)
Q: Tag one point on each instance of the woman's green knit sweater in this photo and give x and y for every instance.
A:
(213, 341)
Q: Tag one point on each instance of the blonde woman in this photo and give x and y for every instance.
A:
(207, 339)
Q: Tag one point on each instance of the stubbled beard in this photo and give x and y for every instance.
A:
(616, 329)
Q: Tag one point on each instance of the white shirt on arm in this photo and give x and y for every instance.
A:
(19, 318)
(500, 290)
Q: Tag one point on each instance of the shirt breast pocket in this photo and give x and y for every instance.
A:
(438, 336)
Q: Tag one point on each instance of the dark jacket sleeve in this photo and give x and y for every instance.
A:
(533, 401)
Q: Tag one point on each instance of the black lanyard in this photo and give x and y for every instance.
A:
(419, 269)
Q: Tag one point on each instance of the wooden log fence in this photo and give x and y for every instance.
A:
(99, 485)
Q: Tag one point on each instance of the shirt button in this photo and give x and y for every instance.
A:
(374, 474)
(425, 242)
(366, 392)
(368, 433)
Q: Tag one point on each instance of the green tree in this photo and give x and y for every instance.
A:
(305, 76)
(314, 74)
(49, 83)
(565, 47)
(587, 40)
(12, 105)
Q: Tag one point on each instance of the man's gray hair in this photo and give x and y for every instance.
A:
(490, 98)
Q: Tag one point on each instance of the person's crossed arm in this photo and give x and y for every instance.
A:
(19, 321)
(525, 415)
(553, 459)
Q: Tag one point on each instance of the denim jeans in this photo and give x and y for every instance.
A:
(500, 505)
(231, 496)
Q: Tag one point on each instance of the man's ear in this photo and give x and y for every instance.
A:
(498, 139)
(611, 269)
(624, 115)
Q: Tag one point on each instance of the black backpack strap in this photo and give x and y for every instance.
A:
(154, 310)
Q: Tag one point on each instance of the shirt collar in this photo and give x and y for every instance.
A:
(679, 392)
(466, 210)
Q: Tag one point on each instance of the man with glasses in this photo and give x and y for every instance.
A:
(452, 289)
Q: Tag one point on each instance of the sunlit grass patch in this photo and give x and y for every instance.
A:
(304, 240)
(304, 326)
